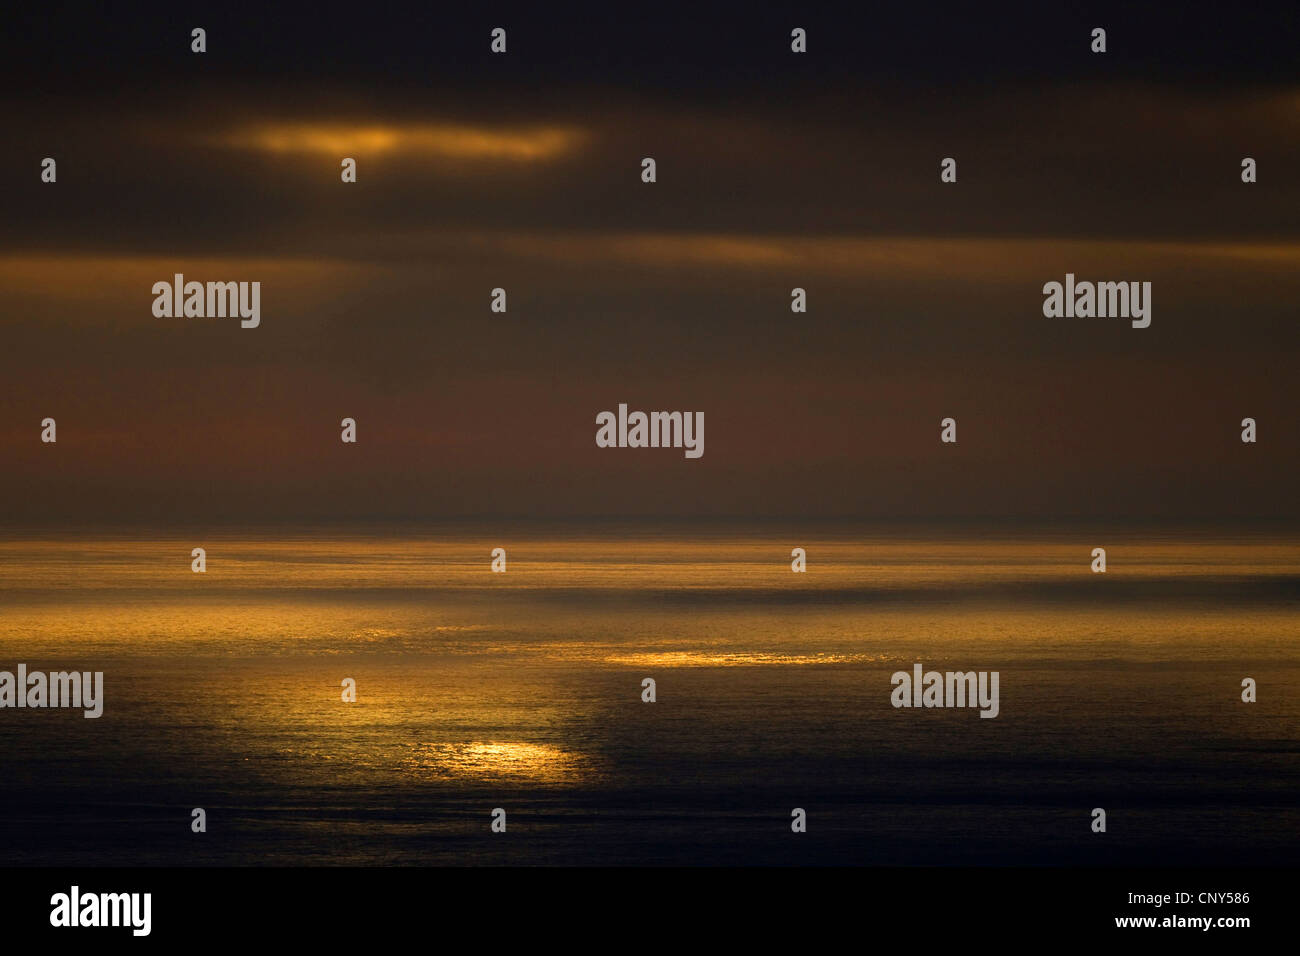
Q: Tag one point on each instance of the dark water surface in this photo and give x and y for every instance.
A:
(523, 691)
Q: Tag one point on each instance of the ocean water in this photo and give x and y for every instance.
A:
(522, 691)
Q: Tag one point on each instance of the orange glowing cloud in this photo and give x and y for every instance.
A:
(445, 140)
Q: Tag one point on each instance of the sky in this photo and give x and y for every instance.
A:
(774, 170)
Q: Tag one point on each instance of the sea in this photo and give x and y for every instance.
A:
(519, 695)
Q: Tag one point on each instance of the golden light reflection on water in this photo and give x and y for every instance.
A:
(335, 563)
(735, 658)
(477, 629)
(488, 761)
(532, 679)
(523, 689)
